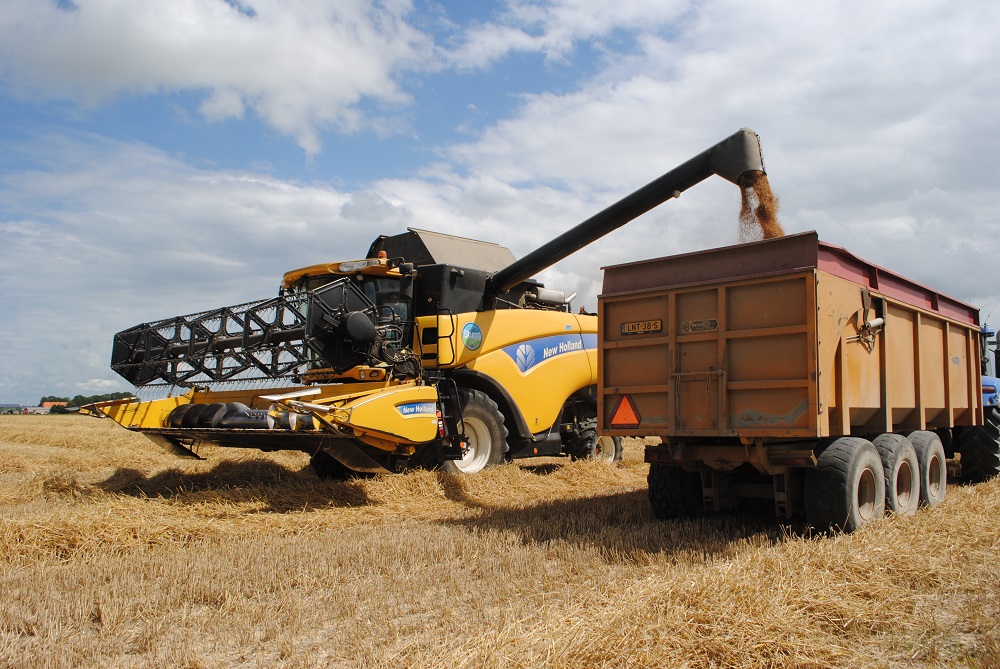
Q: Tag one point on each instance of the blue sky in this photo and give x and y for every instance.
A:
(159, 157)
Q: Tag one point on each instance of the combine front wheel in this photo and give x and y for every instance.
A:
(485, 431)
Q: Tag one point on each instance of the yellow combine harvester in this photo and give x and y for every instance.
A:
(433, 350)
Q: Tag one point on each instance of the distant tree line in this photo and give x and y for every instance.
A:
(80, 400)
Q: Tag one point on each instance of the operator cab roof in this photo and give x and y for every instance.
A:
(423, 247)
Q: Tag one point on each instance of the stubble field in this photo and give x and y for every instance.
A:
(115, 555)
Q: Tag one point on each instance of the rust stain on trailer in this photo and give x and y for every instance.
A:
(753, 418)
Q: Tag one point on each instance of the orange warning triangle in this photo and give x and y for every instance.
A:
(625, 414)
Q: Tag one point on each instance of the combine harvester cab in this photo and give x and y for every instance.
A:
(789, 369)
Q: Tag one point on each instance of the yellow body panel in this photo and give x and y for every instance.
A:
(142, 414)
(405, 414)
(378, 267)
(539, 357)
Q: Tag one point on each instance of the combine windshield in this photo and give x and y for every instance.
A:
(391, 307)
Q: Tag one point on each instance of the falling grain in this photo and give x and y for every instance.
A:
(758, 208)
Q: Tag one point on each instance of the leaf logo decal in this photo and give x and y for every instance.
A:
(525, 357)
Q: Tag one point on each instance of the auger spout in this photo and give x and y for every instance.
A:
(731, 158)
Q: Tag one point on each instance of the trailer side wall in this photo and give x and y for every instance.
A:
(768, 341)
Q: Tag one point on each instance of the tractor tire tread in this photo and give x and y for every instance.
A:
(980, 450)
(674, 492)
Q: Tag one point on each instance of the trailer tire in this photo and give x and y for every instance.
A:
(902, 480)
(591, 446)
(674, 492)
(330, 468)
(932, 465)
(485, 431)
(980, 449)
(846, 489)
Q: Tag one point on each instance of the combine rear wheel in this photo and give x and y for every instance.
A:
(980, 449)
(902, 480)
(674, 492)
(846, 490)
(590, 446)
(485, 431)
(932, 465)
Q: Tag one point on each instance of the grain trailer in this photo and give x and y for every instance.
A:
(788, 369)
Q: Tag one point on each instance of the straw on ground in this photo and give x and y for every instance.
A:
(113, 554)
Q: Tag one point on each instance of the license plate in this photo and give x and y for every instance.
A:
(642, 327)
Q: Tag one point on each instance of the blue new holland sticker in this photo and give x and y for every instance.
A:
(472, 336)
(530, 353)
(417, 409)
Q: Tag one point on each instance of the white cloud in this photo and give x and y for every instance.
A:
(98, 386)
(555, 28)
(223, 103)
(301, 65)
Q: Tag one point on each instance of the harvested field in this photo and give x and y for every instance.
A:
(112, 554)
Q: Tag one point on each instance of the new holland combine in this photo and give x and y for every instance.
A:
(432, 350)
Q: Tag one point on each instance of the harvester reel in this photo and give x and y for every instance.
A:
(333, 327)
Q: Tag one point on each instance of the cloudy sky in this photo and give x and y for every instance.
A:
(159, 157)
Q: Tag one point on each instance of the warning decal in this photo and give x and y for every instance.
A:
(625, 415)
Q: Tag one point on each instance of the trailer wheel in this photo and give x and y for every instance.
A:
(328, 467)
(485, 431)
(846, 490)
(590, 446)
(933, 469)
(980, 449)
(902, 480)
(674, 492)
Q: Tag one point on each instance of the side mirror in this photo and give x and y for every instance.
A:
(406, 283)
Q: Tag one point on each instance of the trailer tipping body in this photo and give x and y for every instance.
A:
(763, 354)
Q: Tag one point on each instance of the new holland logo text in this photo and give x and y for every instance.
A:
(561, 347)
(530, 353)
(417, 408)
